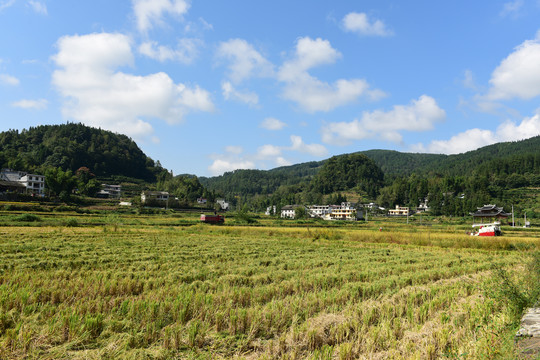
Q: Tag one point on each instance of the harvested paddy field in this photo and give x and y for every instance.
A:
(149, 292)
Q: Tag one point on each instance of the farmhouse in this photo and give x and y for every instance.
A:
(289, 211)
(110, 191)
(223, 204)
(33, 184)
(399, 211)
(148, 196)
(318, 210)
(345, 211)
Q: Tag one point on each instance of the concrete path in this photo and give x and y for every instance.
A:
(528, 335)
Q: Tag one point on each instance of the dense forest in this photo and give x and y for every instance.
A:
(72, 146)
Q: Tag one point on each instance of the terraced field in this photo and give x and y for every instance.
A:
(149, 292)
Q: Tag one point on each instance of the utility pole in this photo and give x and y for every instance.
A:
(513, 223)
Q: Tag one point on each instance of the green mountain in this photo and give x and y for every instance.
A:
(71, 146)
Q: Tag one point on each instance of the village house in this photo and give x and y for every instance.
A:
(159, 196)
(271, 210)
(110, 191)
(201, 201)
(223, 204)
(289, 211)
(31, 184)
(399, 211)
(345, 211)
(318, 210)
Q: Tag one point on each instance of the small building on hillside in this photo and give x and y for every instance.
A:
(488, 214)
(399, 211)
(157, 196)
(223, 204)
(110, 191)
(271, 210)
(33, 184)
(202, 201)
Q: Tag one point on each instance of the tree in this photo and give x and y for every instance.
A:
(87, 182)
(60, 183)
(300, 213)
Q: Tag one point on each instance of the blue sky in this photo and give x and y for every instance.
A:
(211, 86)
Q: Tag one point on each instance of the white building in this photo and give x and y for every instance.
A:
(147, 196)
(201, 201)
(289, 211)
(271, 210)
(110, 191)
(318, 210)
(34, 184)
(345, 211)
(224, 205)
(399, 211)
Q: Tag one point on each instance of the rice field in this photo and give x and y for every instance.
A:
(207, 292)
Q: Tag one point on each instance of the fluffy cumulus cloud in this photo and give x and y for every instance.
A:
(151, 12)
(359, 23)
(312, 149)
(272, 124)
(9, 80)
(419, 115)
(39, 104)
(230, 93)
(234, 158)
(98, 94)
(219, 166)
(244, 61)
(312, 94)
(474, 138)
(186, 51)
(517, 76)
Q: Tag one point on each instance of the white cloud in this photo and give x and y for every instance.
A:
(269, 151)
(517, 76)
(233, 158)
(9, 80)
(234, 149)
(312, 149)
(272, 124)
(361, 25)
(31, 104)
(151, 12)
(474, 138)
(312, 94)
(219, 166)
(99, 95)
(245, 61)
(468, 80)
(185, 52)
(38, 7)
(511, 8)
(230, 93)
(280, 161)
(419, 115)
(5, 4)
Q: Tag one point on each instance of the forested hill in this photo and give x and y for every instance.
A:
(71, 146)
(503, 158)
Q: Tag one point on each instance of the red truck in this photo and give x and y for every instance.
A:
(212, 219)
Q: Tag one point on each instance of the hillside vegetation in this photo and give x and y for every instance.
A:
(72, 146)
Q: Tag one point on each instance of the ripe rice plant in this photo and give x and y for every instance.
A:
(144, 291)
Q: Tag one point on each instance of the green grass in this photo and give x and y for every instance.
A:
(135, 287)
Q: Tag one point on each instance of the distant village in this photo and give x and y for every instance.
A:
(12, 181)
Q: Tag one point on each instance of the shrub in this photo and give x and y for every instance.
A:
(27, 218)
